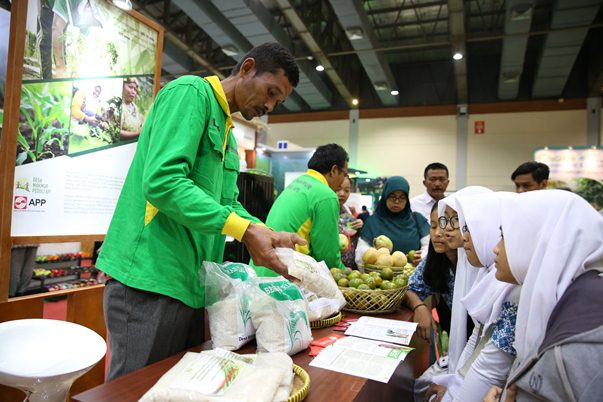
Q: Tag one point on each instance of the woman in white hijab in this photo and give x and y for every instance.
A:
(487, 357)
(553, 246)
(465, 276)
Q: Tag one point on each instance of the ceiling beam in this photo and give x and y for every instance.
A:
(183, 46)
(518, 20)
(352, 16)
(315, 49)
(258, 25)
(456, 26)
(561, 49)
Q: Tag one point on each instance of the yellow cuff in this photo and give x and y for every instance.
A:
(235, 226)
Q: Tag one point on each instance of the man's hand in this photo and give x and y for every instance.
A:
(496, 392)
(434, 393)
(261, 242)
(423, 317)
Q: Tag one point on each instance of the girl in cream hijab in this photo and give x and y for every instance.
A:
(553, 246)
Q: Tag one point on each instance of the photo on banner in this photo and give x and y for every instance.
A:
(84, 39)
(88, 84)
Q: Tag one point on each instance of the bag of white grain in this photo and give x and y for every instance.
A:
(222, 376)
(227, 301)
(278, 313)
(312, 275)
(319, 308)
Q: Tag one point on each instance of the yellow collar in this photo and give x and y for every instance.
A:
(318, 176)
(216, 85)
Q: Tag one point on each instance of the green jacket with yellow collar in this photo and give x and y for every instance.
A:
(179, 198)
(308, 207)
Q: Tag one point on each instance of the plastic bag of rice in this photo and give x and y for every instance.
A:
(313, 276)
(319, 308)
(227, 298)
(279, 315)
(220, 375)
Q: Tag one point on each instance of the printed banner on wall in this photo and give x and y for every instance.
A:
(578, 169)
(87, 86)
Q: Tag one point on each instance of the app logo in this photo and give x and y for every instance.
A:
(20, 202)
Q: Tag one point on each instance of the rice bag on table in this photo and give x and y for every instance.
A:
(228, 299)
(279, 315)
(219, 375)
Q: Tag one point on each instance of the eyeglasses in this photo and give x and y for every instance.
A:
(465, 229)
(393, 198)
(454, 222)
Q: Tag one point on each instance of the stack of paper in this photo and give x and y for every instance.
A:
(375, 358)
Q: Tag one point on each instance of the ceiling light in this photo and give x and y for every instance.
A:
(394, 92)
(521, 12)
(354, 33)
(381, 86)
(123, 4)
(310, 58)
(509, 77)
(230, 50)
(355, 102)
(457, 56)
(320, 67)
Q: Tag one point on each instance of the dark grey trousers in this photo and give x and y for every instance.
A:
(145, 327)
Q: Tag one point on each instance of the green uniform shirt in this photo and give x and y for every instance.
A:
(178, 195)
(310, 208)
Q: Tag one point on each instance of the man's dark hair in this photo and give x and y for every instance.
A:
(364, 208)
(270, 57)
(539, 171)
(326, 156)
(435, 166)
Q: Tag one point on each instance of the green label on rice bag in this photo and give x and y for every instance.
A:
(235, 271)
(281, 290)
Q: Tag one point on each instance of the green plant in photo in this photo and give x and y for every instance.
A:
(43, 121)
(83, 136)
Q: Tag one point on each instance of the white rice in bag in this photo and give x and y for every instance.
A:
(313, 276)
(279, 315)
(228, 298)
(218, 377)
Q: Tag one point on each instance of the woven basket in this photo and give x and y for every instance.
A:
(377, 268)
(326, 322)
(301, 385)
(375, 301)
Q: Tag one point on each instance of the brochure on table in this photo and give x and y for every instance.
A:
(375, 358)
(88, 84)
(365, 358)
(381, 329)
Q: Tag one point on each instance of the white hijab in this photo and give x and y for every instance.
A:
(464, 278)
(551, 238)
(481, 214)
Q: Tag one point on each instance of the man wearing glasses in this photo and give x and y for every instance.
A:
(435, 182)
(310, 208)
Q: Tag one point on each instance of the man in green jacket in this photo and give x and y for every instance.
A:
(178, 202)
(310, 208)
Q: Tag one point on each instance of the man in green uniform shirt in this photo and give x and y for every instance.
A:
(310, 208)
(178, 202)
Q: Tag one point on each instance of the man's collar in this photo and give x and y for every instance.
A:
(216, 85)
(317, 175)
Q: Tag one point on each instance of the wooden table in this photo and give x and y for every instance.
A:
(325, 385)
